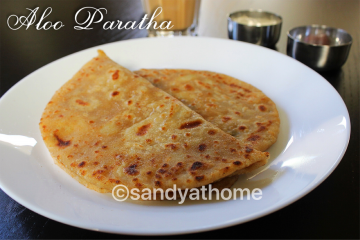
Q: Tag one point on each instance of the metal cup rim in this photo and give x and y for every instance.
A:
(255, 10)
(319, 45)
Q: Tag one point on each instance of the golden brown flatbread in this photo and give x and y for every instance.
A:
(108, 126)
(234, 106)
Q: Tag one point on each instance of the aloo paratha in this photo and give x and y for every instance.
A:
(108, 126)
(234, 106)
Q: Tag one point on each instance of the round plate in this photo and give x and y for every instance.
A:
(314, 133)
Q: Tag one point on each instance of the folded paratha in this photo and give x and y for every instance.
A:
(235, 107)
(109, 126)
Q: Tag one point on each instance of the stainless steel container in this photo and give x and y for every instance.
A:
(255, 26)
(320, 47)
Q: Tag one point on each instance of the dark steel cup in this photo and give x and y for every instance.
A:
(320, 47)
(262, 34)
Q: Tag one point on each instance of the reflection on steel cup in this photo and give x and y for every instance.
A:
(183, 14)
(120, 193)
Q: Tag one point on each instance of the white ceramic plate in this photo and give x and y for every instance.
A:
(314, 134)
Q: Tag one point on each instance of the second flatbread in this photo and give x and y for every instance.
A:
(234, 106)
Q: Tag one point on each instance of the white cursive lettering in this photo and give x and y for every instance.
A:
(31, 18)
(110, 25)
(90, 19)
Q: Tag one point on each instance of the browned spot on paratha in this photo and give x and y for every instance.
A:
(131, 170)
(196, 165)
(62, 143)
(191, 124)
(143, 130)
(202, 147)
(81, 102)
(115, 75)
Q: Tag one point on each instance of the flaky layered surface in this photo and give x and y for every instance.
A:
(108, 126)
(234, 106)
